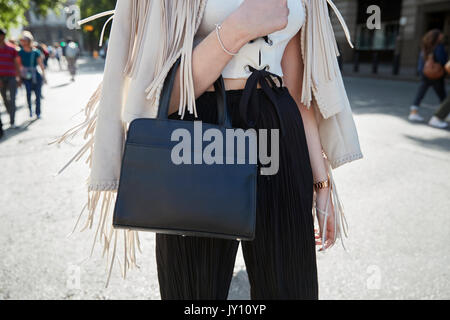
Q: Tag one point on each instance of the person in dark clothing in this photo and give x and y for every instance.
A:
(9, 77)
(44, 52)
(432, 43)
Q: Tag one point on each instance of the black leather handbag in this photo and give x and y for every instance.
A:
(209, 200)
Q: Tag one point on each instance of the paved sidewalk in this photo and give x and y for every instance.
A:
(384, 72)
(396, 202)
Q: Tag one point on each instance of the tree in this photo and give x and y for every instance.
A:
(12, 12)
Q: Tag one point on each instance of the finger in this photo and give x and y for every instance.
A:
(325, 247)
(329, 243)
(319, 238)
(331, 235)
(319, 242)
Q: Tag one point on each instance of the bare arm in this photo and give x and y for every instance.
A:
(253, 19)
(293, 67)
(292, 64)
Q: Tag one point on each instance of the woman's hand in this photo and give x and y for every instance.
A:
(261, 17)
(322, 196)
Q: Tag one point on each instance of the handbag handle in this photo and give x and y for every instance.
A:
(223, 116)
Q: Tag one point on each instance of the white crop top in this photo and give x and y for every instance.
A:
(262, 53)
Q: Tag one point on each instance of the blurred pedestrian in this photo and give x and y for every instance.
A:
(432, 48)
(9, 77)
(51, 53)
(32, 78)
(58, 54)
(439, 118)
(45, 53)
(72, 54)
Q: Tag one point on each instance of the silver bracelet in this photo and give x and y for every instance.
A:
(218, 27)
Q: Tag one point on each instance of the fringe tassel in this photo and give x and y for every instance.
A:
(139, 21)
(179, 20)
(342, 22)
(139, 26)
(107, 235)
(97, 16)
(88, 125)
(341, 225)
(317, 37)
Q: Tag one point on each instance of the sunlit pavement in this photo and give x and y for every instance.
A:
(396, 201)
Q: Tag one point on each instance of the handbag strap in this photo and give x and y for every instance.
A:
(223, 116)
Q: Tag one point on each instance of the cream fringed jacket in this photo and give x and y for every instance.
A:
(146, 38)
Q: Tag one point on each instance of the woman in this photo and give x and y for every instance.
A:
(31, 77)
(432, 43)
(242, 40)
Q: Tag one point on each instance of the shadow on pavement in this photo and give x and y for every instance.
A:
(62, 85)
(11, 133)
(390, 97)
(436, 143)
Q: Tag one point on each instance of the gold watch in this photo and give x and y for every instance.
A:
(322, 184)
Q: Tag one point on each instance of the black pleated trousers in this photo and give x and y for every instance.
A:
(281, 261)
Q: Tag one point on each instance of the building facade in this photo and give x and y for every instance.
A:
(403, 24)
(53, 27)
